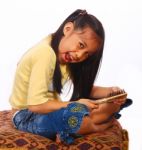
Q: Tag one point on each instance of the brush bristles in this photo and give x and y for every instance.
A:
(116, 93)
(113, 97)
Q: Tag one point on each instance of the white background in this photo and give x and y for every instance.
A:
(25, 22)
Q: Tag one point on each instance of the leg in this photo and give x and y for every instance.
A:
(104, 113)
(65, 122)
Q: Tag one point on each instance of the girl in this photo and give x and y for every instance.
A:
(73, 52)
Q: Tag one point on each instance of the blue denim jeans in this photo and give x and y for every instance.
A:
(65, 122)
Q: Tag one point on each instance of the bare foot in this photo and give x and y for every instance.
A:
(58, 140)
(104, 126)
(104, 112)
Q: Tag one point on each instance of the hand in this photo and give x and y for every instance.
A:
(99, 92)
(106, 110)
(115, 91)
(89, 103)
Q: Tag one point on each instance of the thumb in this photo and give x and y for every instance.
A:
(95, 106)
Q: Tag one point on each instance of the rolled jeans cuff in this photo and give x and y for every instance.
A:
(72, 119)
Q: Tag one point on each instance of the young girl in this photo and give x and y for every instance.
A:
(73, 52)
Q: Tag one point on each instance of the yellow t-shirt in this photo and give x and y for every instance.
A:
(34, 75)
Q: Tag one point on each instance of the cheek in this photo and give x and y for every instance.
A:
(64, 45)
(61, 48)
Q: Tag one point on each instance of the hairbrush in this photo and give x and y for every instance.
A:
(112, 97)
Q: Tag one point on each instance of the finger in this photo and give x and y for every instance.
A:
(119, 101)
(94, 104)
(115, 89)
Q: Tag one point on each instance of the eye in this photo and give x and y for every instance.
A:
(81, 45)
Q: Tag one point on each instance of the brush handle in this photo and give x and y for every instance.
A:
(111, 98)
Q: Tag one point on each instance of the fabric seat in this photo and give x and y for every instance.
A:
(115, 138)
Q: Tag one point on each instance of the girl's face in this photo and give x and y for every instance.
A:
(77, 45)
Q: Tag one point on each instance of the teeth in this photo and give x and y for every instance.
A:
(68, 57)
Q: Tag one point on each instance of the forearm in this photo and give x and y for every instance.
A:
(49, 106)
(100, 92)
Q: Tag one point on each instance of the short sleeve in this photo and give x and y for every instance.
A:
(40, 78)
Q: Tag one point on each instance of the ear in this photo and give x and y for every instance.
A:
(68, 28)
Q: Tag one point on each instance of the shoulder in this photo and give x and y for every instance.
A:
(42, 51)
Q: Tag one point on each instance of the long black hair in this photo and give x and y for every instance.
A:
(83, 74)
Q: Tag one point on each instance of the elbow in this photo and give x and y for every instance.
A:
(40, 108)
(34, 108)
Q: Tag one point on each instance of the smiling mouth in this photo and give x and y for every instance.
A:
(68, 57)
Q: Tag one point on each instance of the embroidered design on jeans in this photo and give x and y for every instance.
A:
(73, 121)
(77, 108)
